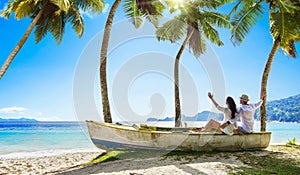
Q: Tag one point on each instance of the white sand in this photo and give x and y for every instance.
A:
(189, 165)
(43, 162)
(68, 163)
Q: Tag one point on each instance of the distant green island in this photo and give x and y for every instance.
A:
(283, 110)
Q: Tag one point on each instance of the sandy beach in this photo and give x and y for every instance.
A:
(182, 164)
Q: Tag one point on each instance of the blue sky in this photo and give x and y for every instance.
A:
(39, 83)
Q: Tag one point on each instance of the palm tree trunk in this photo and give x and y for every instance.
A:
(264, 82)
(176, 81)
(103, 58)
(20, 44)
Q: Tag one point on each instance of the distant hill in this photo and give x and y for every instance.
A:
(203, 116)
(18, 120)
(283, 110)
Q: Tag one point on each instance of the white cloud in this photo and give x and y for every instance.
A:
(12, 109)
(90, 15)
(4, 6)
(105, 8)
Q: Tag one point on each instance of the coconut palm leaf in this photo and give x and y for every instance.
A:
(244, 20)
(212, 4)
(211, 33)
(24, 9)
(58, 27)
(137, 10)
(285, 5)
(76, 20)
(217, 19)
(173, 30)
(41, 30)
(196, 43)
(94, 6)
(286, 27)
(63, 5)
(131, 10)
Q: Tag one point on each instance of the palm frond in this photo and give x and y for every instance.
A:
(76, 20)
(132, 12)
(242, 3)
(195, 43)
(63, 5)
(217, 19)
(24, 9)
(211, 33)
(211, 4)
(290, 49)
(244, 19)
(286, 28)
(289, 6)
(152, 10)
(152, 7)
(94, 6)
(41, 30)
(173, 30)
(58, 29)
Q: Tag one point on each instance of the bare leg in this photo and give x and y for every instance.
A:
(212, 124)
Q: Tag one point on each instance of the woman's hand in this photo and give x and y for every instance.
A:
(210, 95)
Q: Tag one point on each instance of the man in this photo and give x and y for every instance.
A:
(246, 114)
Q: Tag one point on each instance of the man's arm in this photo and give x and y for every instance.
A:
(257, 105)
(231, 121)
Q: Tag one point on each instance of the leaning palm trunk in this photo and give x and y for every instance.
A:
(103, 58)
(13, 54)
(264, 83)
(176, 81)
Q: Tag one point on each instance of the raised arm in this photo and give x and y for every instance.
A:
(211, 97)
(258, 104)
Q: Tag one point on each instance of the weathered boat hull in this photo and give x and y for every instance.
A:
(122, 137)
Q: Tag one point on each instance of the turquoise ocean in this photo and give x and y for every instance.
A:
(28, 138)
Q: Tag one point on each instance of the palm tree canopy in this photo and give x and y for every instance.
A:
(285, 26)
(56, 13)
(137, 10)
(194, 16)
(246, 13)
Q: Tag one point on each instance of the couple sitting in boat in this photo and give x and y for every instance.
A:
(232, 114)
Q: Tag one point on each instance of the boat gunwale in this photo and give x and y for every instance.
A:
(111, 125)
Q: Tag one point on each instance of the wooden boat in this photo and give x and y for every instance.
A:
(125, 137)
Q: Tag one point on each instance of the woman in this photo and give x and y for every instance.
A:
(229, 113)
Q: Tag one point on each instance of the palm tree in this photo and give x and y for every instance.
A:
(284, 19)
(136, 10)
(194, 23)
(48, 16)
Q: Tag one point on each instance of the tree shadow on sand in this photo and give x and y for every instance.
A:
(245, 162)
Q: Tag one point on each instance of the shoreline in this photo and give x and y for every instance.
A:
(70, 163)
(43, 153)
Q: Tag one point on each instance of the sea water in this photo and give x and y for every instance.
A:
(38, 138)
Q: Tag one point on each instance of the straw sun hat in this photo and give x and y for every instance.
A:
(244, 97)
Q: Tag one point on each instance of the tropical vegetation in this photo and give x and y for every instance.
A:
(284, 19)
(283, 110)
(196, 21)
(48, 16)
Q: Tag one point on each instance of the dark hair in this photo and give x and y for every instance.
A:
(232, 106)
